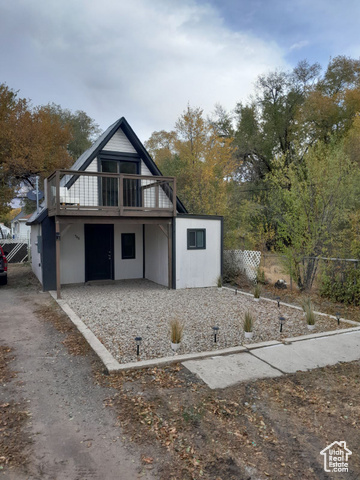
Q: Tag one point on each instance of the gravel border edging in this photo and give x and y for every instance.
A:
(343, 320)
(113, 366)
(105, 356)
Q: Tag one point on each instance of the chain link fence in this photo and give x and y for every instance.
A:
(335, 278)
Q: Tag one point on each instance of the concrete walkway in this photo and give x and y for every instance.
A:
(275, 360)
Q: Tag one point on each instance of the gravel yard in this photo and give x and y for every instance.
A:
(118, 312)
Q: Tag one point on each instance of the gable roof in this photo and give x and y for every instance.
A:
(21, 216)
(88, 156)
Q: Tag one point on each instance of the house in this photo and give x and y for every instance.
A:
(336, 457)
(5, 232)
(20, 230)
(114, 216)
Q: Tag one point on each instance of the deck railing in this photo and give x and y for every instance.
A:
(93, 193)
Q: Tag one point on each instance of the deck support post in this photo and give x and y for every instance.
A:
(57, 236)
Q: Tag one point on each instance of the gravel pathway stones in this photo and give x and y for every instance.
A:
(118, 312)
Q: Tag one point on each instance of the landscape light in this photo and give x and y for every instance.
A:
(235, 291)
(138, 343)
(282, 321)
(338, 317)
(278, 300)
(216, 332)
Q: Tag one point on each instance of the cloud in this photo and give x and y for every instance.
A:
(144, 59)
(299, 45)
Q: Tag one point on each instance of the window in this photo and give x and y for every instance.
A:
(127, 245)
(196, 238)
(109, 186)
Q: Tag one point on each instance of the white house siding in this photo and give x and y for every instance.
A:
(129, 268)
(119, 143)
(164, 201)
(156, 255)
(72, 255)
(20, 230)
(35, 255)
(198, 268)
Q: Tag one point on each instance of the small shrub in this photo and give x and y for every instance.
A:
(310, 315)
(341, 284)
(260, 276)
(248, 322)
(176, 330)
(257, 291)
(306, 304)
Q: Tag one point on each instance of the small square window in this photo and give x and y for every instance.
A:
(127, 245)
(196, 239)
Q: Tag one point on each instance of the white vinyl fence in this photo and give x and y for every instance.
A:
(242, 261)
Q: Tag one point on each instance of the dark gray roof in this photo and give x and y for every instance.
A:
(35, 217)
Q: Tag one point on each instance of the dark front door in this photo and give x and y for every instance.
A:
(99, 252)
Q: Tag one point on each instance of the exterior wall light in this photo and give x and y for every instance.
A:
(215, 332)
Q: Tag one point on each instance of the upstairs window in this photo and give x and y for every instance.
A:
(127, 245)
(196, 239)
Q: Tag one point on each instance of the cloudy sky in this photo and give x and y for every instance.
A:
(146, 59)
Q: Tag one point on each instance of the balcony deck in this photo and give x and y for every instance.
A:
(75, 193)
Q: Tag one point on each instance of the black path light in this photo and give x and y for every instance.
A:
(278, 300)
(282, 321)
(216, 332)
(235, 291)
(338, 315)
(138, 343)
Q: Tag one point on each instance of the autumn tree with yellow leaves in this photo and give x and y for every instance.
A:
(33, 142)
(202, 161)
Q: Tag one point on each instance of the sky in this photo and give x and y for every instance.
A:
(147, 59)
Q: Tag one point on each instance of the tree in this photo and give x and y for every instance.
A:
(312, 205)
(267, 126)
(83, 129)
(32, 142)
(9, 216)
(332, 104)
(202, 161)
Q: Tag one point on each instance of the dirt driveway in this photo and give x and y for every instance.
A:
(53, 422)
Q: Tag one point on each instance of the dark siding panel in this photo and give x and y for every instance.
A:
(49, 254)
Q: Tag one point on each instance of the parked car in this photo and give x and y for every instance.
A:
(3, 267)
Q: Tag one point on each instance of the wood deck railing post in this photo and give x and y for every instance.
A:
(174, 197)
(47, 197)
(157, 193)
(121, 194)
(57, 191)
